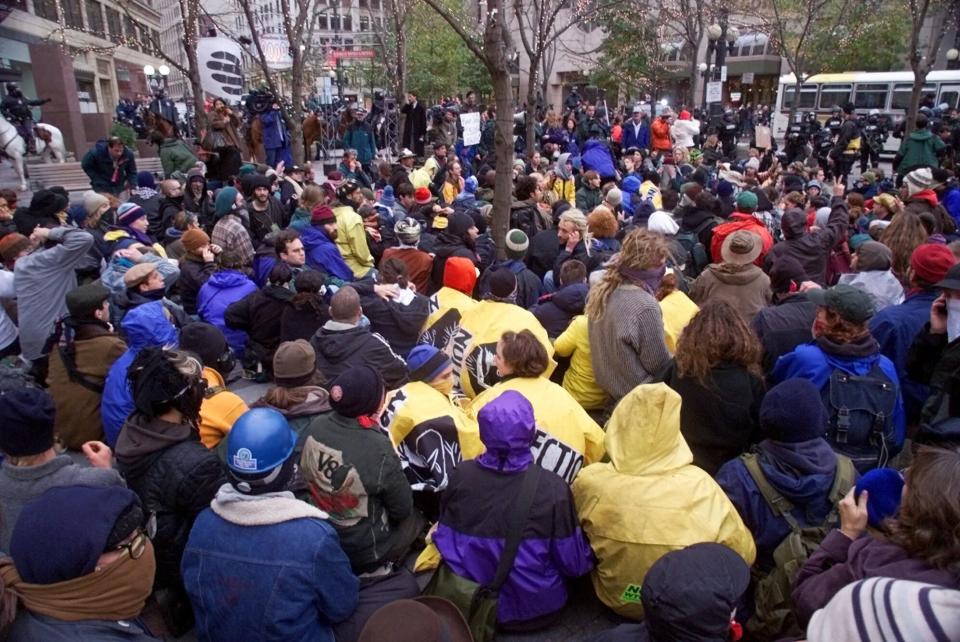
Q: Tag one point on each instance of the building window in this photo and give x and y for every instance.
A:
(95, 18)
(364, 23)
(73, 14)
(46, 9)
(334, 23)
(113, 25)
(322, 23)
(130, 29)
(347, 23)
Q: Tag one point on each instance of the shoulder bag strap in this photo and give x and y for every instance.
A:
(517, 519)
(780, 505)
(70, 365)
(843, 480)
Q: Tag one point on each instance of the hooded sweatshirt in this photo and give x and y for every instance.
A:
(472, 530)
(216, 295)
(340, 346)
(919, 150)
(564, 185)
(745, 287)
(650, 499)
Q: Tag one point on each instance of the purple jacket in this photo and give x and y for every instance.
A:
(473, 518)
(216, 295)
(840, 561)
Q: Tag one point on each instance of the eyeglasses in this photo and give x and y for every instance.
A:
(135, 546)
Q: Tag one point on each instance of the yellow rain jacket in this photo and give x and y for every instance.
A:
(677, 310)
(220, 408)
(566, 190)
(650, 499)
(578, 380)
(431, 433)
(352, 241)
(447, 304)
(567, 438)
(474, 344)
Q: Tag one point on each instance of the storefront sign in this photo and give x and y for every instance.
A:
(714, 92)
(747, 78)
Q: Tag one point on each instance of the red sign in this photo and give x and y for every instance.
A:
(360, 54)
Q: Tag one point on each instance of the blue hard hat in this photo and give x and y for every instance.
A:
(260, 440)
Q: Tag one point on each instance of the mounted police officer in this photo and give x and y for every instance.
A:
(16, 109)
(162, 106)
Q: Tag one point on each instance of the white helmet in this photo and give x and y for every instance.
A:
(874, 112)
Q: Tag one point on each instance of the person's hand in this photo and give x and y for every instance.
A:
(131, 253)
(207, 254)
(838, 187)
(39, 235)
(938, 315)
(98, 454)
(806, 286)
(853, 514)
(216, 249)
(280, 166)
(387, 291)
(572, 240)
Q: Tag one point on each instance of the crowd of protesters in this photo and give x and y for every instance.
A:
(719, 384)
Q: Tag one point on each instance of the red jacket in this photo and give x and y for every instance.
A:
(660, 135)
(740, 221)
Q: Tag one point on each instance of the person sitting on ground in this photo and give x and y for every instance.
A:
(148, 198)
(167, 209)
(843, 346)
(351, 240)
(297, 393)
(737, 279)
(589, 195)
(742, 219)
(371, 507)
(160, 455)
(79, 366)
(344, 342)
(552, 546)
(298, 559)
(267, 215)
(921, 544)
(259, 315)
(419, 263)
(144, 283)
(522, 363)
(81, 567)
(556, 310)
(448, 304)
(459, 239)
(227, 285)
(689, 594)
(31, 463)
(319, 243)
(197, 264)
(529, 285)
(308, 310)
(786, 323)
(220, 407)
(650, 499)
(872, 273)
(717, 374)
(229, 231)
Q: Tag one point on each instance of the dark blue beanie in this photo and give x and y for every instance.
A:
(60, 535)
(146, 179)
(885, 488)
(26, 421)
(792, 411)
(77, 214)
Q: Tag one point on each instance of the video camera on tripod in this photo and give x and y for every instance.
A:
(259, 101)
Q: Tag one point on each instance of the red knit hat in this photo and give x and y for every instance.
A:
(931, 261)
(460, 274)
(322, 214)
(422, 196)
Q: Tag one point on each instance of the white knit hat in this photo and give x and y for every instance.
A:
(918, 180)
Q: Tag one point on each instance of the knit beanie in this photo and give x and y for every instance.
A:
(426, 362)
(322, 214)
(662, 223)
(724, 189)
(407, 230)
(930, 262)
(856, 241)
(61, 535)
(83, 301)
(502, 282)
(26, 421)
(918, 180)
(294, 360)
(884, 488)
(785, 271)
(226, 198)
(792, 412)
(459, 224)
(516, 244)
(747, 201)
(128, 212)
(92, 201)
(387, 198)
(460, 274)
(357, 392)
(821, 216)
(470, 185)
(194, 239)
(204, 340)
(247, 169)
(145, 179)
(11, 245)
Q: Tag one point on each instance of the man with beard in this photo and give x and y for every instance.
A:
(197, 200)
(319, 242)
(266, 213)
(458, 239)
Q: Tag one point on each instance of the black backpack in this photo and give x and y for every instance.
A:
(861, 416)
(698, 254)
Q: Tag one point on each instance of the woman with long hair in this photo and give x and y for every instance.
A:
(307, 311)
(453, 183)
(311, 197)
(717, 374)
(905, 233)
(624, 318)
(922, 542)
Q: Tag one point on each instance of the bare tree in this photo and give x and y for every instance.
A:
(391, 42)
(491, 43)
(923, 53)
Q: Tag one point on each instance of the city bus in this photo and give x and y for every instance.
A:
(888, 91)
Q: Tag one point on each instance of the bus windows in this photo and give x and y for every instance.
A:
(834, 96)
(808, 96)
(901, 95)
(871, 96)
(950, 95)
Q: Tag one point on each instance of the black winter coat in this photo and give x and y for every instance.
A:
(524, 216)
(399, 324)
(175, 484)
(810, 249)
(543, 251)
(194, 272)
(529, 285)
(555, 311)
(303, 317)
(338, 350)
(783, 326)
(260, 315)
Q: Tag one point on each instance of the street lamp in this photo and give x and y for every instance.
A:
(953, 55)
(156, 77)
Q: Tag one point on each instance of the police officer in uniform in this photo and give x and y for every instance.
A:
(16, 109)
(835, 122)
(874, 133)
(797, 138)
(162, 106)
(728, 133)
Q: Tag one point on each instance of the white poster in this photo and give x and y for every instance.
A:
(471, 128)
(221, 67)
(723, 74)
(714, 92)
(276, 49)
(747, 78)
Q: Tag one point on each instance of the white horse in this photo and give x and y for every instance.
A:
(13, 146)
(49, 143)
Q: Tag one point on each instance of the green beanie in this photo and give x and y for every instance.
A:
(226, 198)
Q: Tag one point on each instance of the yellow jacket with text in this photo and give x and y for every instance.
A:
(447, 304)
(567, 438)
(650, 499)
